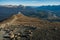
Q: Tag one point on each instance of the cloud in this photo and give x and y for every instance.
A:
(30, 2)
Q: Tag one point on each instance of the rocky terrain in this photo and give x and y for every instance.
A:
(29, 28)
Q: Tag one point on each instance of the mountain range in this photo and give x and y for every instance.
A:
(41, 12)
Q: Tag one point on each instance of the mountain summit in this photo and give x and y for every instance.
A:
(20, 19)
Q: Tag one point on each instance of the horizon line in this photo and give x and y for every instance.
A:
(28, 5)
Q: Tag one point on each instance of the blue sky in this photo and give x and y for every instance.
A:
(30, 2)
